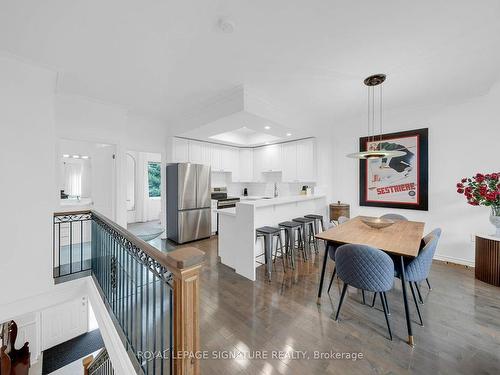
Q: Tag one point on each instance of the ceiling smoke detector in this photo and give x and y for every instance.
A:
(226, 26)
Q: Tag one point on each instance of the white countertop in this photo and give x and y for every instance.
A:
(280, 200)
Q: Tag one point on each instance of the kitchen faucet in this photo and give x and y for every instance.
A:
(275, 190)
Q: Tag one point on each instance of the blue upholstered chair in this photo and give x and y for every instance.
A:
(394, 217)
(417, 269)
(425, 240)
(331, 252)
(365, 268)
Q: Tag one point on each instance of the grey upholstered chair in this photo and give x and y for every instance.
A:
(394, 217)
(331, 251)
(425, 240)
(417, 269)
(365, 268)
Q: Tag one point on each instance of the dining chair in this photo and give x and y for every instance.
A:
(331, 253)
(418, 268)
(394, 217)
(425, 240)
(365, 268)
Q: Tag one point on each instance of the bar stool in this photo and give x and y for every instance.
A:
(269, 234)
(318, 219)
(290, 228)
(308, 231)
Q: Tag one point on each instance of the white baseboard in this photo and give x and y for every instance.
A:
(454, 260)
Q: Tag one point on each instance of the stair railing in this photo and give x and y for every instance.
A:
(152, 296)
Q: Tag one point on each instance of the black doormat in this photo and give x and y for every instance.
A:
(63, 354)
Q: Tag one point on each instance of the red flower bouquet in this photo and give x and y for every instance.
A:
(483, 190)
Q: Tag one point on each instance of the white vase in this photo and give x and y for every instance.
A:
(495, 219)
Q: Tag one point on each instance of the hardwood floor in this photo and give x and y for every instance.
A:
(461, 316)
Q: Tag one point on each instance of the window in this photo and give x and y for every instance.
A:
(154, 179)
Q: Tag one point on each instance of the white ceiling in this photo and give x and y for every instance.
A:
(164, 57)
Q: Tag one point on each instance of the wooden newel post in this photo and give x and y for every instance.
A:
(185, 264)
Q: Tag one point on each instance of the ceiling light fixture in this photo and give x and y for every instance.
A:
(226, 26)
(85, 157)
(65, 155)
(288, 134)
(267, 127)
(76, 156)
(374, 151)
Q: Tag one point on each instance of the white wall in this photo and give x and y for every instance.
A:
(463, 140)
(28, 188)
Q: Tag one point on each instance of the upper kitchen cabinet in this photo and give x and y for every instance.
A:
(180, 152)
(272, 158)
(200, 152)
(216, 158)
(306, 160)
(245, 167)
(289, 161)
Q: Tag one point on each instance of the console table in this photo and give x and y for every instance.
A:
(487, 266)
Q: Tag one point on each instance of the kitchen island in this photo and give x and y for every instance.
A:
(238, 247)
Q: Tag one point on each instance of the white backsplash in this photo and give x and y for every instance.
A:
(257, 188)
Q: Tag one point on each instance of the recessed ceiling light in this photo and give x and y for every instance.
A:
(267, 143)
(85, 157)
(226, 26)
(76, 156)
(65, 156)
(288, 134)
(267, 127)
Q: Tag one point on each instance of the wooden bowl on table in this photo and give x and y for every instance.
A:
(377, 222)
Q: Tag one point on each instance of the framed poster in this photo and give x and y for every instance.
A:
(395, 182)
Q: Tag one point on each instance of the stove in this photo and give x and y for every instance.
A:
(223, 201)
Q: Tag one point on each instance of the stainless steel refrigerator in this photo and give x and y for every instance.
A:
(188, 202)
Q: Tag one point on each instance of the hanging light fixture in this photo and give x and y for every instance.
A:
(371, 82)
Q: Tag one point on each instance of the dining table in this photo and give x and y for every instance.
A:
(401, 239)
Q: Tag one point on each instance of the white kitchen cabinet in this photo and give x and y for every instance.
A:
(289, 162)
(200, 152)
(272, 158)
(234, 163)
(306, 161)
(216, 158)
(180, 150)
(258, 164)
(245, 165)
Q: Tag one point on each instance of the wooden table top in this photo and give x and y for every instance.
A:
(401, 238)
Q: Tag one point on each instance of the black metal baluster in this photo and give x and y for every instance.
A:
(162, 325)
(148, 347)
(81, 245)
(142, 310)
(154, 322)
(70, 247)
(59, 247)
(171, 330)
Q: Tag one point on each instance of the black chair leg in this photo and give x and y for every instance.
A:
(386, 304)
(344, 289)
(363, 294)
(382, 297)
(374, 298)
(428, 283)
(418, 292)
(331, 280)
(416, 304)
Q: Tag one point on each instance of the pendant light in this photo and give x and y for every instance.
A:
(371, 82)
